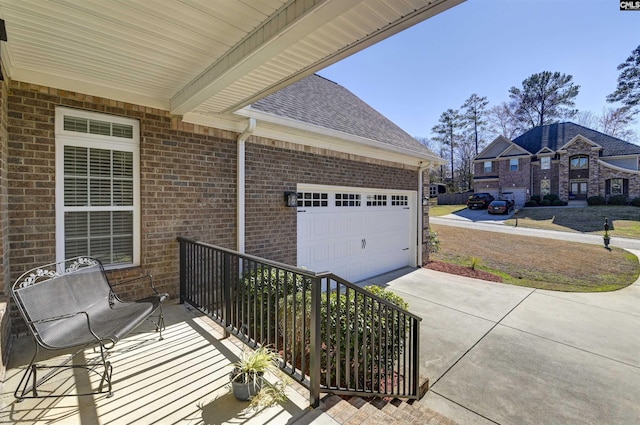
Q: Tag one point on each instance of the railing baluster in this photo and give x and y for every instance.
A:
(334, 336)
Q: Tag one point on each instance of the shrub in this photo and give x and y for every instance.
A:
(356, 335)
(536, 199)
(475, 263)
(618, 200)
(433, 243)
(346, 333)
(531, 203)
(545, 203)
(596, 200)
(558, 203)
(551, 197)
(635, 202)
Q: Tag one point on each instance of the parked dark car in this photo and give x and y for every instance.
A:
(479, 200)
(500, 206)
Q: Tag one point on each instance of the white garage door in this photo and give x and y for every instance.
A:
(355, 233)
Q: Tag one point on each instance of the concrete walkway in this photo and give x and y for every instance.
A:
(501, 354)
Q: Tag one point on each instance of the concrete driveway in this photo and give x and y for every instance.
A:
(479, 215)
(503, 354)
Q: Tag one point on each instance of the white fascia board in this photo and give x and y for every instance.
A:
(300, 133)
(366, 147)
(77, 86)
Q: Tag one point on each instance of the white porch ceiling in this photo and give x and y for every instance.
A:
(202, 56)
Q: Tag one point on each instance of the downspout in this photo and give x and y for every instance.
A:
(421, 196)
(242, 138)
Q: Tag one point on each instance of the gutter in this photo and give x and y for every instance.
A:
(242, 138)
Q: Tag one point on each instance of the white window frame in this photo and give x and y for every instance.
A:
(545, 163)
(72, 138)
(488, 166)
(514, 162)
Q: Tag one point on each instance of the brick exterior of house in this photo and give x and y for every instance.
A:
(188, 184)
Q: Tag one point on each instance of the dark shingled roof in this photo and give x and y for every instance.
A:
(554, 136)
(317, 101)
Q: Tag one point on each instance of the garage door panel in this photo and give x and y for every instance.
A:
(356, 241)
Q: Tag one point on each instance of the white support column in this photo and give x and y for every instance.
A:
(242, 138)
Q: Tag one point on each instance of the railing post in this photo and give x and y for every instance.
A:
(183, 269)
(315, 364)
(416, 358)
(226, 290)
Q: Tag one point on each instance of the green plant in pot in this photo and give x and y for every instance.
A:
(247, 378)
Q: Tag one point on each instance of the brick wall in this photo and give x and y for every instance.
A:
(551, 174)
(272, 169)
(188, 184)
(187, 181)
(4, 232)
(4, 210)
(520, 178)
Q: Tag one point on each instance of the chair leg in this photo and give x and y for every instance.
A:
(106, 375)
(30, 372)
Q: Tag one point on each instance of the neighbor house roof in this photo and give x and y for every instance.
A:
(319, 102)
(554, 136)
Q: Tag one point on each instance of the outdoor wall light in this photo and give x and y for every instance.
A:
(291, 199)
(425, 201)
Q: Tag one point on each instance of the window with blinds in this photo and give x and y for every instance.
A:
(98, 188)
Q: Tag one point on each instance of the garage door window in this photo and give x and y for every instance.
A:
(313, 199)
(399, 200)
(348, 200)
(376, 200)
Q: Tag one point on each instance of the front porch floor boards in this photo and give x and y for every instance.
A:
(181, 379)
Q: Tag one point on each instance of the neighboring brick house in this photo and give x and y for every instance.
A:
(564, 159)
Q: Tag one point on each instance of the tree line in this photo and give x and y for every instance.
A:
(544, 98)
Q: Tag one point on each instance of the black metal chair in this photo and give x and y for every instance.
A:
(71, 305)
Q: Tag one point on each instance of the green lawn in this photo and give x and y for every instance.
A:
(624, 221)
(537, 262)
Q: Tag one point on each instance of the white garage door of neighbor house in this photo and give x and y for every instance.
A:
(519, 195)
(355, 233)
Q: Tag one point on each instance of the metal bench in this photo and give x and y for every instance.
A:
(71, 305)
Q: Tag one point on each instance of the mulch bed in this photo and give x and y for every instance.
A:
(462, 271)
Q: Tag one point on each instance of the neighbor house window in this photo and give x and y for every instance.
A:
(545, 163)
(513, 164)
(97, 187)
(617, 186)
(488, 166)
(579, 162)
(545, 187)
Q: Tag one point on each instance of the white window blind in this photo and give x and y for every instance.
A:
(99, 206)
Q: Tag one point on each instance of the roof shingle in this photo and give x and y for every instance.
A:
(554, 136)
(320, 102)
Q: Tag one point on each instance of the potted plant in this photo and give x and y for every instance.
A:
(247, 378)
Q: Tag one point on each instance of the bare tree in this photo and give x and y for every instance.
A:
(616, 122)
(586, 119)
(503, 122)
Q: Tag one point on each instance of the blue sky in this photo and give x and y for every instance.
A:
(486, 47)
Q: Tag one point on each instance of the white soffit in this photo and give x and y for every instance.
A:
(209, 56)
